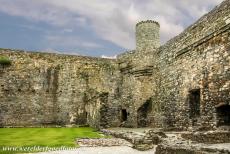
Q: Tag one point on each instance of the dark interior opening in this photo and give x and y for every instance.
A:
(194, 103)
(223, 115)
(142, 114)
(124, 115)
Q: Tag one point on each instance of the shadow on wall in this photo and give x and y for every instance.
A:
(143, 114)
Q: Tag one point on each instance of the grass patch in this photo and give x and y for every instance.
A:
(44, 137)
(5, 60)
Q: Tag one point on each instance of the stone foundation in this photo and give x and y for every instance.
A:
(174, 142)
(208, 137)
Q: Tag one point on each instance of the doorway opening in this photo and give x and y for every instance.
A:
(194, 103)
(124, 115)
(223, 115)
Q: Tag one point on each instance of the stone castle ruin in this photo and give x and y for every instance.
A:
(183, 84)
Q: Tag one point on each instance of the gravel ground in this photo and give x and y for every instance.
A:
(102, 150)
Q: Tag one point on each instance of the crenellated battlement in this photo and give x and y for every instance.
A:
(147, 21)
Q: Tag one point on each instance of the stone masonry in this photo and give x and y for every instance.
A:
(183, 84)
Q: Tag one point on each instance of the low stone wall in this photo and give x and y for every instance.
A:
(174, 142)
(208, 137)
(140, 141)
(106, 142)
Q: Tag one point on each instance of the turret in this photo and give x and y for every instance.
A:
(147, 35)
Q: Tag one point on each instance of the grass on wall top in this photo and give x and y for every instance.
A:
(5, 60)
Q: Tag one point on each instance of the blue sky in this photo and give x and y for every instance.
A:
(91, 27)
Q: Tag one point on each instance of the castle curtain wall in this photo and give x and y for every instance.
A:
(185, 81)
(50, 89)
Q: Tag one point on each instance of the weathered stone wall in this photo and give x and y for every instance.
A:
(197, 59)
(138, 85)
(179, 85)
(205, 67)
(40, 88)
(208, 137)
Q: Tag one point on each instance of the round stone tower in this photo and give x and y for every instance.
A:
(147, 35)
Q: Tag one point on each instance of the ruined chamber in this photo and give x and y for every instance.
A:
(182, 84)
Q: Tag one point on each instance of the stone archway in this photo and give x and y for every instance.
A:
(143, 113)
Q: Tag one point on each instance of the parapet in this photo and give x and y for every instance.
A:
(147, 35)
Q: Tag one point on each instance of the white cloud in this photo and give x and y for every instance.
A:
(109, 57)
(112, 20)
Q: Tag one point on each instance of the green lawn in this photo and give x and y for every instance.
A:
(51, 137)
